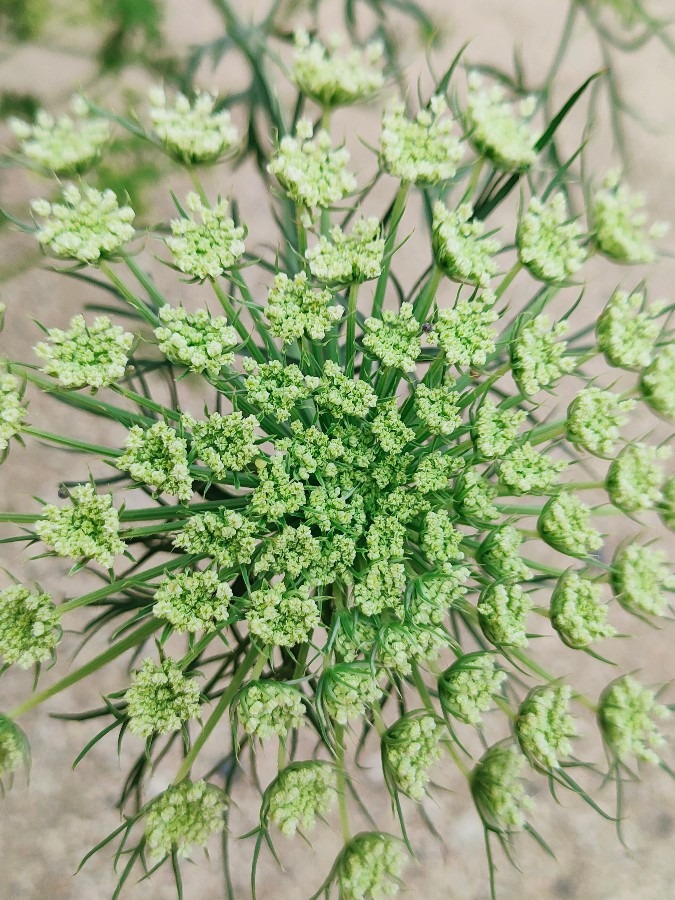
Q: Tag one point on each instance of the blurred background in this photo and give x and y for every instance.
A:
(114, 50)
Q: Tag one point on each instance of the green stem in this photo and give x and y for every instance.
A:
(423, 303)
(342, 783)
(197, 185)
(135, 302)
(241, 329)
(70, 442)
(221, 707)
(350, 348)
(508, 278)
(136, 637)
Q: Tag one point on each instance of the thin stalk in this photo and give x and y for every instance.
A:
(350, 348)
(133, 301)
(72, 443)
(241, 329)
(508, 278)
(342, 783)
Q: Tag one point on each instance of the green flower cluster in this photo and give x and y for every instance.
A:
(626, 714)
(295, 309)
(207, 248)
(299, 794)
(193, 601)
(157, 456)
(347, 258)
(196, 340)
(12, 410)
(267, 708)
(544, 726)
(333, 79)
(30, 626)
(192, 132)
(184, 816)
(409, 749)
(466, 689)
(161, 698)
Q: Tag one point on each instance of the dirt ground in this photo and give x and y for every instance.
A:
(45, 829)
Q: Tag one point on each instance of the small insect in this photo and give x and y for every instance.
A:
(63, 493)
(427, 327)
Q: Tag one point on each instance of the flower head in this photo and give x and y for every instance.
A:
(370, 866)
(311, 171)
(298, 795)
(549, 242)
(498, 791)
(639, 576)
(498, 129)
(526, 470)
(157, 456)
(88, 226)
(193, 601)
(295, 309)
(495, 429)
(381, 587)
(438, 408)
(161, 698)
(333, 79)
(461, 247)
(12, 410)
(537, 357)
(67, 145)
(626, 715)
(225, 443)
(635, 477)
(578, 613)
(14, 747)
(466, 689)
(196, 340)
(502, 614)
(594, 418)
(348, 690)
(223, 534)
(564, 525)
(277, 493)
(342, 396)
(544, 726)
(93, 355)
(409, 749)
(30, 626)
(267, 708)
(208, 248)
(348, 258)
(464, 333)
(185, 815)
(657, 382)
(282, 617)
(423, 150)
(395, 338)
(192, 132)
(619, 226)
(627, 330)
(88, 529)
(498, 554)
(389, 429)
(276, 388)
(473, 499)
(440, 538)
(400, 644)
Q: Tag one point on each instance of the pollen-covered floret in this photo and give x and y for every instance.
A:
(275, 388)
(639, 577)
(301, 793)
(225, 443)
(495, 429)
(208, 248)
(157, 456)
(537, 356)
(409, 748)
(549, 242)
(526, 470)
(196, 340)
(461, 247)
(29, 626)
(627, 711)
(342, 396)
(93, 355)
(422, 150)
(619, 225)
(498, 791)
(502, 614)
(564, 525)
(184, 816)
(348, 690)
(294, 309)
(578, 612)
(395, 338)
(466, 689)
(224, 534)
(464, 333)
(12, 410)
(333, 79)
(438, 408)
(282, 617)
(635, 477)
(192, 132)
(267, 708)
(370, 866)
(311, 171)
(88, 225)
(499, 554)
(161, 698)
(544, 726)
(499, 130)
(193, 601)
(594, 418)
(657, 382)
(89, 529)
(347, 258)
(627, 329)
(65, 145)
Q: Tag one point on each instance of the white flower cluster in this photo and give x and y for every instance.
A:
(497, 129)
(639, 577)
(30, 626)
(348, 690)
(93, 355)
(465, 333)
(63, 145)
(348, 258)
(619, 227)
(192, 132)
(161, 698)
(370, 866)
(12, 410)
(422, 150)
(268, 708)
(594, 418)
(537, 357)
(627, 329)
(544, 726)
(498, 790)
(502, 614)
(184, 816)
(300, 793)
(332, 79)
(311, 171)
(88, 226)
(295, 309)
(193, 601)
(196, 340)
(157, 456)
(564, 525)
(578, 612)
(461, 247)
(626, 714)
(395, 338)
(409, 749)
(224, 443)
(208, 248)
(282, 617)
(549, 242)
(466, 689)
(635, 477)
(495, 429)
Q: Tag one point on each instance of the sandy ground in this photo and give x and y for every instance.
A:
(45, 830)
